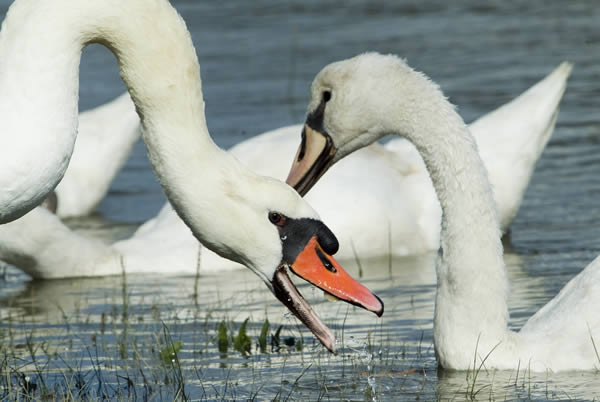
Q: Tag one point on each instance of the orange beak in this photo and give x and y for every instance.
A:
(323, 271)
(306, 246)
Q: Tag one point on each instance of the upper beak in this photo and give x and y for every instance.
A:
(322, 270)
(314, 157)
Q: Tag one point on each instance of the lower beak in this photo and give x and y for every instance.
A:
(286, 292)
(323, 271)
(313, 158)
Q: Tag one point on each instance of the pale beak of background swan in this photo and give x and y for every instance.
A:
(307, 247)
(315, 154)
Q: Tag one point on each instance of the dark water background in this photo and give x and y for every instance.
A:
(258, 59)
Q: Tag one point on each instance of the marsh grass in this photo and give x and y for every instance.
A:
(132, 345)
(120, 358)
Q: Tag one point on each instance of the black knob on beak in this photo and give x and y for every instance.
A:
(327, 239)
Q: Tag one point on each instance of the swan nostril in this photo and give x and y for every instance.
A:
(302, 145)
(326, 263)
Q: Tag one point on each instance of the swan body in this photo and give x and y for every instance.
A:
(254, 220)
(395, 189)
(471, 314)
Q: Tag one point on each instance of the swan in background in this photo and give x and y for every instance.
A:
(355, 102)
(396, 191)
(254, 220)
(106, 137)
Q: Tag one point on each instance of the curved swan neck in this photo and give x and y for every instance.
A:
(158, 64)
(471, 300)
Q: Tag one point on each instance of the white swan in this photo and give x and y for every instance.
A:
(357, 101)
(256, 221)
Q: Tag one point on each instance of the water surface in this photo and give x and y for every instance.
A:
(257, 60)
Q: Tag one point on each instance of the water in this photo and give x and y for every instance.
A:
(258, 59)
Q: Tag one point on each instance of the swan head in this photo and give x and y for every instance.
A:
(353, 103)
(272, 230)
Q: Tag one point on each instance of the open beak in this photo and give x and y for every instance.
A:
(320, 269)
(314, 157)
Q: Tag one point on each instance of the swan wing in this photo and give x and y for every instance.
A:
(511, 139)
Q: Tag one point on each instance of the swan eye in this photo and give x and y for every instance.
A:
(326, 96)
(276, 218)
